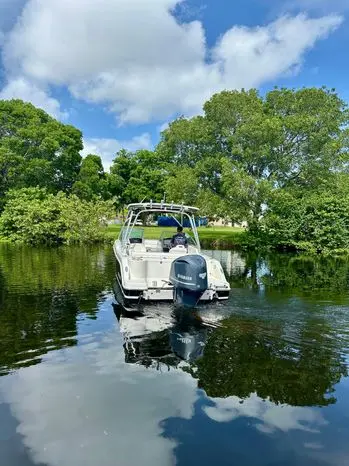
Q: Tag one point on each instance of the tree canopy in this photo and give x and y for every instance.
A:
(137, 176)
(91, 181)
(245, 147)
(278, 161)
(36, 149)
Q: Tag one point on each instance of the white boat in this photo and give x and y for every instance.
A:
(152, 270)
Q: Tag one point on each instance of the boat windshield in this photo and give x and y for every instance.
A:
(136, 235)
(159, 224)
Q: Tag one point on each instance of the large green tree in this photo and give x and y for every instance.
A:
(120, 175)
(36, 149)
(246, 146)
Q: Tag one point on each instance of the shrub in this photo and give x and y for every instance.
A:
(32, 215)
(318, 222)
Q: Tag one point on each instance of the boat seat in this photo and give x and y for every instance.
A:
(179, 249)
(135, 240)
(137, 247)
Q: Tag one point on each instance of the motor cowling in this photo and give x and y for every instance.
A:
(188, 276)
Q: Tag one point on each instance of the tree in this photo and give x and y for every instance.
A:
(91, 181)
(35, 149)
(246, 146)
(182, 185)
(10, 171)
(120, 175)
(147, 177)
(137, 176)
(188, 141)
(286, 137)
(194, 156)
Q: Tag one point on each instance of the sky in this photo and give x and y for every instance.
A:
(121, 70)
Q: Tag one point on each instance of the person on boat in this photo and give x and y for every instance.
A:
(179, 238)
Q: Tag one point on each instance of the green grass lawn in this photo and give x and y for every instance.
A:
(219, 235)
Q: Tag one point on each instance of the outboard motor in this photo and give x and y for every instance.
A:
(188, 276)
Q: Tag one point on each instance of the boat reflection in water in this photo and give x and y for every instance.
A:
(157, 338)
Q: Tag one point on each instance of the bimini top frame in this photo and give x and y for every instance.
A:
(163, 207)
(135, 210)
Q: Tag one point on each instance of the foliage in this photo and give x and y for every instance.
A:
(91, 181)
(182, 186)
(245, 147)
(279, 162)
(316, 221)
(245, 195)
(147, 177)
(36, 150)
(137, 176)
(32, 215)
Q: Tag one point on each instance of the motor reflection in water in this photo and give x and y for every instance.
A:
(162, 338)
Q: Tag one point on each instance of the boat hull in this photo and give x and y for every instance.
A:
(130, 293)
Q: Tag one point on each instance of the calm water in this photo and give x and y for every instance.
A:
(261, 380)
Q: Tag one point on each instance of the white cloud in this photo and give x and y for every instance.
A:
(21, 88)
(107, 148)
(269, 51)
(135, 58)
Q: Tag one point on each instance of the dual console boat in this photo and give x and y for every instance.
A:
(158, 270)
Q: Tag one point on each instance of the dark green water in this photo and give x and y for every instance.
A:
(261, 380)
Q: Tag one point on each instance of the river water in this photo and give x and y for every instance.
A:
(261, 380)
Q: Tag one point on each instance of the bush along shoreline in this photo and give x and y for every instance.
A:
(318, 224)
(34, 216)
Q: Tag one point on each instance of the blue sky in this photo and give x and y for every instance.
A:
(121, 69)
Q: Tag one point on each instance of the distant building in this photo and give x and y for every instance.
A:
(221, 222)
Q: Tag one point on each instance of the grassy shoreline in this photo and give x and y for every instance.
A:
(213, 237)
(230, 238)
(209, 236)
